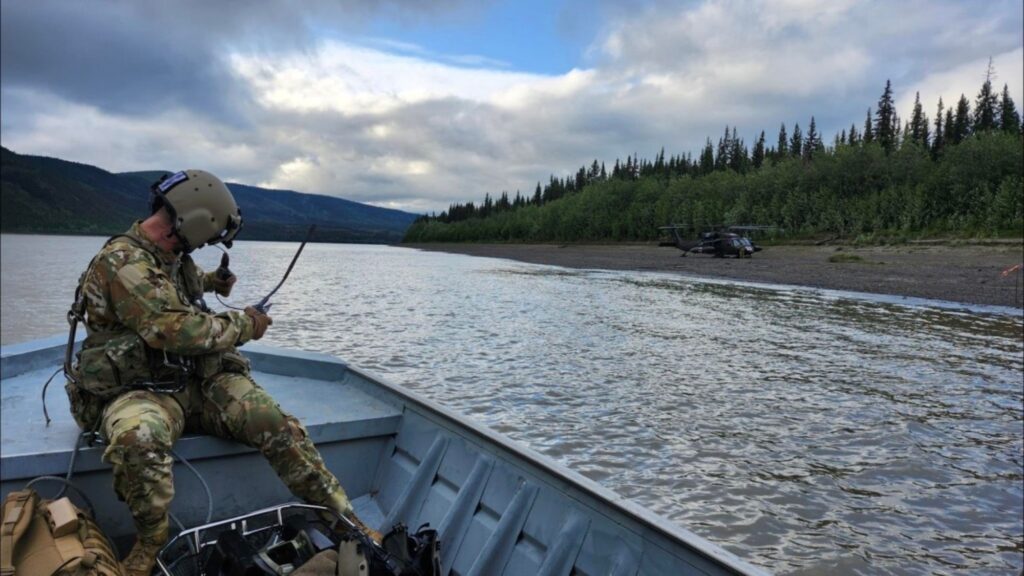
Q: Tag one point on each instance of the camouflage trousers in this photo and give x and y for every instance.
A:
(141, 426)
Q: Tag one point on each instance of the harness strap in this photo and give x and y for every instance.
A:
(77, 312)
(70, 549)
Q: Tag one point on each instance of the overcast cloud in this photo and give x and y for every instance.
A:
(302, 99)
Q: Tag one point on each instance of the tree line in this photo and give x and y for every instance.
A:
(959, 173)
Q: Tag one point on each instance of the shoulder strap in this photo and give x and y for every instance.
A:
(17, 515)
(77, 312)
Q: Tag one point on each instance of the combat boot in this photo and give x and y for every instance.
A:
(142, 559)
(373, 534)
(340, 503)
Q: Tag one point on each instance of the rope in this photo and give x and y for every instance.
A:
(71, 464)
(206, 487)
(46, 414)
(88, 502)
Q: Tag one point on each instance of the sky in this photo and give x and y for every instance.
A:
(418, 104)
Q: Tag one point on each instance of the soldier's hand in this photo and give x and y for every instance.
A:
(223, 281)
(260, 322)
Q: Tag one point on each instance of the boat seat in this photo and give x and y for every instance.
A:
(331, 409)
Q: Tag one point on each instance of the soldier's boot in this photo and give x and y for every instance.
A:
(340, 503)
(142, 559)
(373, 534)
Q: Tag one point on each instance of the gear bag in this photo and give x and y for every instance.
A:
(52, 537)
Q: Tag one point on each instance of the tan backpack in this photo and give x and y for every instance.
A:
(52, 538)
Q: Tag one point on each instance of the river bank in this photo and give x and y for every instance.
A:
(971, 274)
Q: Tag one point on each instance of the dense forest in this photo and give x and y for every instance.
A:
(959, 174)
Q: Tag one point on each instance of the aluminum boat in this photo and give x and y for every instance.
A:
(500, 508)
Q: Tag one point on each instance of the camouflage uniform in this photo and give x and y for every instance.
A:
(142, 310)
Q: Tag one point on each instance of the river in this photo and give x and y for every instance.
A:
(806, 431)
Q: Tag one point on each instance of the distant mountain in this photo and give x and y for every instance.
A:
(49, 195)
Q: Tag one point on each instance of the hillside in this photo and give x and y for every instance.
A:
(54, 196)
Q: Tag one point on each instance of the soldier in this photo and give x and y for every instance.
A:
(157, 362)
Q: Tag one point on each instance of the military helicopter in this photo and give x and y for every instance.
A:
(720, 241)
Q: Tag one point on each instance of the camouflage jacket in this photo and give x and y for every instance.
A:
(141, 304)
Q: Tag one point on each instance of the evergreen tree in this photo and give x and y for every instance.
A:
(488, 206)
(723, 150)
(869, 134)
(985, 107)
(939, 140)
(919, 124)
(852, 137)
(961, 121)
(1009, 119)
(758, 157)
(707, 158)
(813, 142)
(796, 143)
(886, 123)
(782, 148)
(536, 196)
(659, 161)
(948, 135)
(737, 153)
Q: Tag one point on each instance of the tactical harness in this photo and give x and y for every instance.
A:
(151, 369)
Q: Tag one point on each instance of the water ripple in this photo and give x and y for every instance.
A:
(807, 432)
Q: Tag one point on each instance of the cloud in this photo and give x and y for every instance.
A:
(966, 79)
(139, 57)
(350, 79)
(388, 122)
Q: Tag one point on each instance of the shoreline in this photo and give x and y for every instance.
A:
(968, 274)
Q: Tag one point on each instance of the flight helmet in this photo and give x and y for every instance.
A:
(202, 209)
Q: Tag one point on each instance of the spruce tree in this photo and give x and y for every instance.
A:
(722, 152)
(757, 159)
(782, 148)
(939, 140)
(948, 137)
(869, 134)
(1009, 119)
(886, 123)
(962, 120)
(919, 124)
(737, 153)
(813, 141)
(985, 107)
(852, 137)
(707, 158)
(796, 143)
